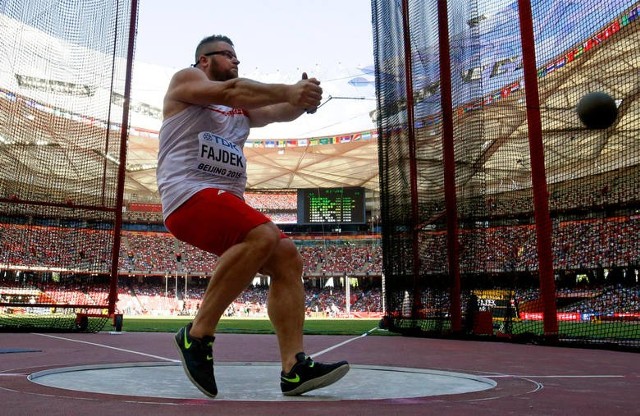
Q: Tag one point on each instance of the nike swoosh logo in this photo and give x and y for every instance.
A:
(296, 379)
(187, 344)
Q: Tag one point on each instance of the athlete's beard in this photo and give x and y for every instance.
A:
(217, 75)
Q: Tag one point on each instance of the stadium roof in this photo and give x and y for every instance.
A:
(279, 164)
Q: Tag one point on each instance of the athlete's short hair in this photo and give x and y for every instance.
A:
(206, 41)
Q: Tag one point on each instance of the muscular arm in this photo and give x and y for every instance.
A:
(191, 86)
(279, 112)
(260, 117)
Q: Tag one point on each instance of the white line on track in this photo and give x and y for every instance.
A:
(317, 354)
(109, 347)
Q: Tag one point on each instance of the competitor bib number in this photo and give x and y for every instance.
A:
(220, 157)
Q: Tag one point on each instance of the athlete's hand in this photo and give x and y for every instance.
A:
(307, 94)
(309, 110)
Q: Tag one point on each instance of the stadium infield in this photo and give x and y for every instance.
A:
(597, 329)
(316, 326)
(618, 331)
(529, 379)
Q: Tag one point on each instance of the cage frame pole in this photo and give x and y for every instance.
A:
(124, 134)
(413, 169)
(538, 173)
(449, 166)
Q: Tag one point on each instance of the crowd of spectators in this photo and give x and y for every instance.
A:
(158, 253)
(586, 244)
(59, 247)
(600, 300)
(593, 245)
(612, 189)
(280, 206)
(272, 201)
(609, 300)
(340, 259)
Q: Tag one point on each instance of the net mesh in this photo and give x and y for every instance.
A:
(591, 175)
(63, 68)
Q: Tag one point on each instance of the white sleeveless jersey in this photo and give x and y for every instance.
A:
(201, 147)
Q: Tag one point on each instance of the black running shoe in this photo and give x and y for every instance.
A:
(308, 375)
(197, 360)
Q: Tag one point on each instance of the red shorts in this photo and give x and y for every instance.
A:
(213, 220)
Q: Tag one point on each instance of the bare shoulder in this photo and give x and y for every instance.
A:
(187, 74)
(174, 99)
(184, 77)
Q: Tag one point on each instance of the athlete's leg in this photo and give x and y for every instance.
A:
(285, 302)
(234, 272)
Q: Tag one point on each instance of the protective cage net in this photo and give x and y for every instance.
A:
(460, 241)
(62, 79)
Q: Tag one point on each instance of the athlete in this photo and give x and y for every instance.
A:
(202, 173)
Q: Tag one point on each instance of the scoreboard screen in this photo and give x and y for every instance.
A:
(331, 206)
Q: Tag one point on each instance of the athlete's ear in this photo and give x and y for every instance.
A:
(199, 61)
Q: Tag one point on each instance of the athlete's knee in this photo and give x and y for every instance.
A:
(264, 239)
(285, 260)
(288, 253)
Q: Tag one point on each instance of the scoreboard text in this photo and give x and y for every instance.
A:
(331, 206)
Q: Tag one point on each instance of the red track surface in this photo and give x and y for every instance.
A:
(532, 380)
